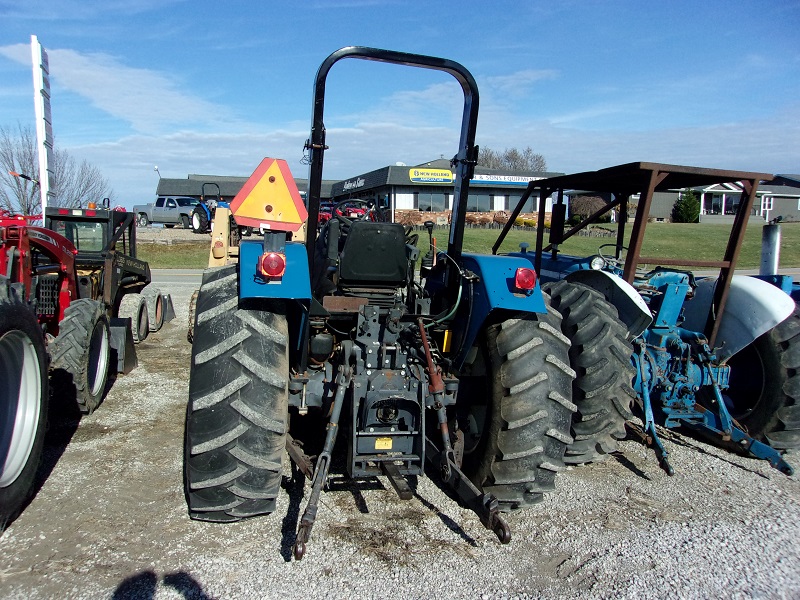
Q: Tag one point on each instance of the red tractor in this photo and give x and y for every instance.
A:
(73, 300)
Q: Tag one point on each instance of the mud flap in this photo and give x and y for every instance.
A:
(122, 349)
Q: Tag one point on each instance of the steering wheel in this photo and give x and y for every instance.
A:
(612, 260)
(337, 211)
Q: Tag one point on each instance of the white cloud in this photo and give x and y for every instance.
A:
(148, 100)
(517, 84)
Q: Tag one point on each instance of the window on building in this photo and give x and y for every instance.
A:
(732, 204)
(430, 201)
(531, 204)
(716, 204)
(766, 204)
(479, 203)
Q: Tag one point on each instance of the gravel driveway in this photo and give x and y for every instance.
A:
(109, 521)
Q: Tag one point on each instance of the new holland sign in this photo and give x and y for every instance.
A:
(418, 175)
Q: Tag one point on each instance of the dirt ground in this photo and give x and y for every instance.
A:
(109, 521)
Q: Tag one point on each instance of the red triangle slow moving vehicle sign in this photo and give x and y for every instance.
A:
(270, 199)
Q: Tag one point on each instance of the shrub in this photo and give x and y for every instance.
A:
(686, 208)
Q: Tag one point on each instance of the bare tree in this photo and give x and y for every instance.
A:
(584, 206)
(512, 159)
(74, 185)
(18, 154)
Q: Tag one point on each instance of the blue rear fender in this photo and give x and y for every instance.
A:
(493, 291)
(295, 283)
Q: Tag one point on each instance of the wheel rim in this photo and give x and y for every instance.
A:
(159, 309)
(196, 221)
(21, 389)
(98, 358)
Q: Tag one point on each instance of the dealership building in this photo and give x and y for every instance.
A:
(425, 187)
(429, 187)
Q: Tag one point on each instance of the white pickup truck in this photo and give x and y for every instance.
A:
(169, 210)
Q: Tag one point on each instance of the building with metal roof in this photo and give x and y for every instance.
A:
(429, 187)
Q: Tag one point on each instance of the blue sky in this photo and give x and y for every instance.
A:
(213, 87)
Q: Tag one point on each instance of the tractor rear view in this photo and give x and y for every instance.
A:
(73, 300)
(459, 365)
(715, 355)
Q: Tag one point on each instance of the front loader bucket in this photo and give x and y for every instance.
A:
(122, 349)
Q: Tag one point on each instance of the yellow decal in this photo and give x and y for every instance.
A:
(430, 175)
(383, 443)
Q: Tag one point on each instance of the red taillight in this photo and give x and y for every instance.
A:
(272, 264)
(91, 213)
(525, 279)
(63, 211)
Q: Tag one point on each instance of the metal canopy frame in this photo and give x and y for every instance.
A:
(645, 178)
(463, 162)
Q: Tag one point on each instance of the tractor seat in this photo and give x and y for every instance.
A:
(374, 256)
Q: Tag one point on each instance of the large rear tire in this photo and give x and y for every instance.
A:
(23, 402)
(601, 357)
(81, 354)
(192, 310)
(764, 392)
(516, 439)
(237, 417)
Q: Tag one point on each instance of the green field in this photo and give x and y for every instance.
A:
(670, 240)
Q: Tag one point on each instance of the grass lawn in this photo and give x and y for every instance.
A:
(174, 256)
(671, 240)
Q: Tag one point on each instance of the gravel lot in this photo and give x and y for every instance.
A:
(109, 521)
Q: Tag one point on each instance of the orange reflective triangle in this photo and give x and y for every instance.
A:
(270, 199)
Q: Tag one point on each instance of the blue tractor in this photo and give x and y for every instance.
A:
(203, 215)
(459, 364)
(717, 355)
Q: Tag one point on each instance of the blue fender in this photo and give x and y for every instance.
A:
(295, 283)
(494, 290)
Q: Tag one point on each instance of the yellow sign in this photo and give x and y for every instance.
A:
(418, 175)
(383, 443)
(270, 199)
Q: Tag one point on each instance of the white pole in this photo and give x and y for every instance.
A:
(44, 120)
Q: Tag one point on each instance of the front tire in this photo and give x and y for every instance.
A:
(142, 220)
(23, 402)
(186, 223)
(524, 427)
(199, 221)
(237, 416)
(81, 354)
(601, 357)
(134, 307)
(764, 392)
(155, 307)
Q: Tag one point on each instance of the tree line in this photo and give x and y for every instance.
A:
(75, 183)
(512, 159)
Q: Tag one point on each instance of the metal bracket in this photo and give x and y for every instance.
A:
(484, 505)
